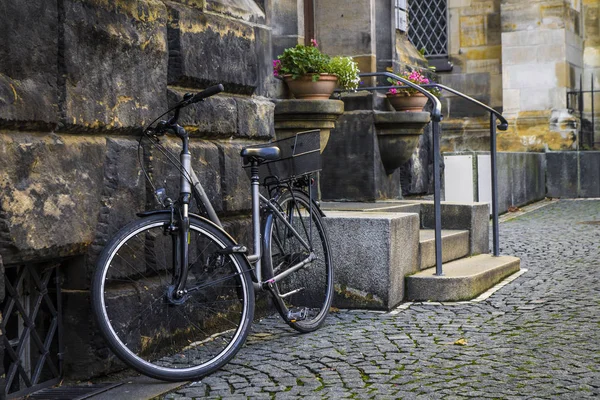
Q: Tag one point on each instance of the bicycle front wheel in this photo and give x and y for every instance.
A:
(161, 335)
(304, 296)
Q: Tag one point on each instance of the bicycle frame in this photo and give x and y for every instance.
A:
(257, 200)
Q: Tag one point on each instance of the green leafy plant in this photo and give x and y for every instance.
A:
(301, 60)
(346, 70)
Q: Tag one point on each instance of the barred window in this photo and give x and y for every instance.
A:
(428, 22)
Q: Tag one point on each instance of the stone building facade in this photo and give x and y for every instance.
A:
(522, 58)
(80, 78)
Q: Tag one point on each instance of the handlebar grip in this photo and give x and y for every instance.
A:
(211, 91)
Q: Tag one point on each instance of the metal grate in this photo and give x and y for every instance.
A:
(30, 328)
(428, 23)
(72, 392)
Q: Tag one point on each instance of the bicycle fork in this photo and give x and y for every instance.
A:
(181, 246)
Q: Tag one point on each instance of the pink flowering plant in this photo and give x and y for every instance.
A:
(302, 60)
(415, 77)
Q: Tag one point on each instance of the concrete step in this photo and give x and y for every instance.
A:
(372, 253)
(455, 245)
(462, 279)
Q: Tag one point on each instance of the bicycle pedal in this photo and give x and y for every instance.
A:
(234, 249)
(297, 315)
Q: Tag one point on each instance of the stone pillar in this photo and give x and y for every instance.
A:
(542, 58)
(286, 17)
(591, 59)
(348, 28)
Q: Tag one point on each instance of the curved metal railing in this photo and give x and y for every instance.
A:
(436, 118)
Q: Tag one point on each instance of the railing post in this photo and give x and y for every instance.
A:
(495, 230)
(593, 118)
(437, 205)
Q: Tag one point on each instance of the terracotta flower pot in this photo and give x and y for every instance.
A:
(304, 87)
(403, 102)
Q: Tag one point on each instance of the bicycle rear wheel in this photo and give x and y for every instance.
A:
(302, 298)
(153, 331)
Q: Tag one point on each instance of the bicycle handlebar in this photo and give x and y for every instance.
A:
(211, 91)
(170, 126)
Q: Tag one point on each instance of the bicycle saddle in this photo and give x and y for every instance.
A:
(260, 154)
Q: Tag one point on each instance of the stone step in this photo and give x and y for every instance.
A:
(372, 253)
(455, 245)
(462, 279)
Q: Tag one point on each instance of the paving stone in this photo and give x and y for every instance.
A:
(536, 337)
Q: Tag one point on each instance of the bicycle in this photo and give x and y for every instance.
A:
(173, 293)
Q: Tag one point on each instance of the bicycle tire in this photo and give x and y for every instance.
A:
(313, 283)
(161, 338)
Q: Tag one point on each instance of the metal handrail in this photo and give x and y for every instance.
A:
(436, 117)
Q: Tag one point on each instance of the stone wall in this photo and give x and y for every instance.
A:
(591, 62)
(541, 56)
(522, 58)
(78, 81)
(475, 50)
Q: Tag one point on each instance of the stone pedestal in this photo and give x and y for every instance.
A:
(365, 151)
(293, 116)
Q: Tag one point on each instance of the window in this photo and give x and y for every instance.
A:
(400, 10)
(428, 24)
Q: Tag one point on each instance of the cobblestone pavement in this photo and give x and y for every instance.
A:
(537, 337)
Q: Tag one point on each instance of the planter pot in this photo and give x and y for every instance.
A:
(304, 88)
(412, 103)
(398, 135)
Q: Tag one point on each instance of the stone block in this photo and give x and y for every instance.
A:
(520, 16)
(458, 3)
(479, 66)
(115, 63)
(494, 29)
(561, 176)
(235, 183)
(205, 162)
(459, 107)
(372, 252)
(28, 68)
(472, 31)
(346, 30)
(217, 116)
(453, 31)
(530, 76)
(242, 9)
(255, 118)
(590, 174)
(519, 55)
(353, 145)
(511, 100)
(202, 44)
(553, 15)
(463, 279)
(85, 353)
(2, 288)
(552, 53)
(536, 99)
(51, 181)
(472, 217)
(481, 7)
(471, 84)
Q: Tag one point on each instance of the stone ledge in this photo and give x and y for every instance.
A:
(372, 253)
(463, 279)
